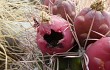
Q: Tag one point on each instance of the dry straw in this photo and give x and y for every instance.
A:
(18, 50)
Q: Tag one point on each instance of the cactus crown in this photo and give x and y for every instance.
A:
(98, 6)
(44, 16)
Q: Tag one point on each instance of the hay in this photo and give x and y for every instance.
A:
(17, 35)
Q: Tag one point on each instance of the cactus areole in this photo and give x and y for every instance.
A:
(54, 35)
(94, 20)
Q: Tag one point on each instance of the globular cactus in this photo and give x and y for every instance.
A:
(99, 54)
(64, 8)
(54, 35)
(93, 21)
